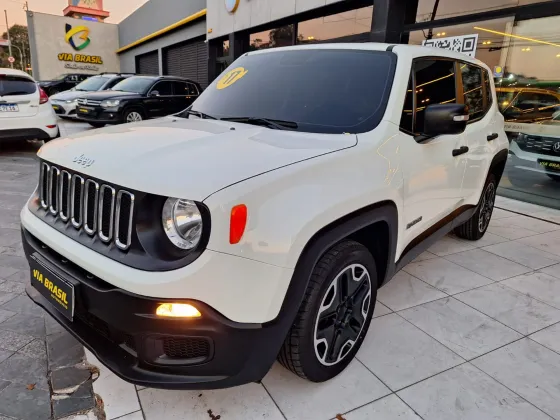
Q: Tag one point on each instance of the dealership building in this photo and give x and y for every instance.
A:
(518, 39)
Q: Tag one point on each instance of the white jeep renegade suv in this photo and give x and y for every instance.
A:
(192, 251)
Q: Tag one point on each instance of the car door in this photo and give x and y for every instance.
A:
(160, 100)
(433, 176)
(483, 128)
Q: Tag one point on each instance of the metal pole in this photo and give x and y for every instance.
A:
(431, 31)
(20, 55)
(8, 32)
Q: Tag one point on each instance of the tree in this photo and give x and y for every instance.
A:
(20, 39)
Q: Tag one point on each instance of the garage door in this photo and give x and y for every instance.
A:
(148, 63)
(188, 60)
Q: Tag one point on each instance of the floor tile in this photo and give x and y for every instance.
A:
(540, 286)
(5, 297)
(553, 270)
(18, 402)
(450, 245)
(24, 305)
(528, 369)
(133, 416)
(400, 354)
(25, 324)
(4, 315)
(10, 340)
(12, 287)
(25, 370)
(464, 330)
(466, 393)
(6, 272)
(487, 239)
(20, 276)
(426, 255)
(549, 337)
(523, 254)
(488, 264)
(247, 402)
(4, 354)
(501, 214)
(446, 276)
(119, 397)
(512, 308)
(301, 399)
(404, 291)
(510, 232)
(35, 349)
(380, 310)
(548, 242)
(532, 224)
(388, 408)
(551, 215)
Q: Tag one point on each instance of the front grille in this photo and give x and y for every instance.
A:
(540, 145)
(98, 209)
(186, 348)
(88, 102)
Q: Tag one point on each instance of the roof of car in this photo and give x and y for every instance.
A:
(412, 51)
(155, 77)
(14, 72)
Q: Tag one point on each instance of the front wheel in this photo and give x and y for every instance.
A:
(475, 228)
(133, 115)
(335, 314)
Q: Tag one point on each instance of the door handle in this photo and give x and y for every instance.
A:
(492, 136)
(460, 151)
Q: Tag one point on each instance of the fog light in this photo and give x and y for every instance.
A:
(178, 310)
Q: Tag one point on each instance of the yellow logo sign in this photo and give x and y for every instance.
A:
(231, 77)
(83, 31)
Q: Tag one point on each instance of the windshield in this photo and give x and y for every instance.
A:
(16, 85)
(134, 84)
(93, 84)
(316, 90)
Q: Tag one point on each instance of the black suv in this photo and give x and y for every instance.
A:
(63, 82)
(137, 98)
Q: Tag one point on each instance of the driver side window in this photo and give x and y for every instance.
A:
(164, 88)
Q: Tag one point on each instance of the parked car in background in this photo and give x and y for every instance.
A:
(191, 251)
(63, 82)
(138, 98)
(64, 103)
(25, 110)
(526, 104)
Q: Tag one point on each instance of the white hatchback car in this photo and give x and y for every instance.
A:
(191, 251)
(25, 110)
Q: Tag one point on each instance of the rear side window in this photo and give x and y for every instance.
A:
(16, 85)
(488, 84)
(473, 91)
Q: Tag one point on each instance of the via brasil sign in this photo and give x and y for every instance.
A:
(78, 38)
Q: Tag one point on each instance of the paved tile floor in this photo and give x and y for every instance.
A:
(469, 330)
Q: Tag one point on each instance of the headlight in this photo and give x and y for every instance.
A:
(182, 223)
(110, 103)
(71, 101)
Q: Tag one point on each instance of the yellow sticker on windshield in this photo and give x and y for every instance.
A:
(231, 77)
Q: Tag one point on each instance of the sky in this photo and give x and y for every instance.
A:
(119, 9)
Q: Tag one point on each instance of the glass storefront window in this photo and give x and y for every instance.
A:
(525, 59)
(277, 37)
(329, 28)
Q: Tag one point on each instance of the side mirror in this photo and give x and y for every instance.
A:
(445, 119)
(154, 93)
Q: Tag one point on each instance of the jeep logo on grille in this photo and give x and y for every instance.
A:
(83, 161)
(557, 147)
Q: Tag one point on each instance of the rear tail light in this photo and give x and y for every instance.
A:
(43, 97)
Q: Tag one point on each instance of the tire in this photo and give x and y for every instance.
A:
(96, 125)
(554, 177)
(306, 350)
(475, 228)
(133, 115)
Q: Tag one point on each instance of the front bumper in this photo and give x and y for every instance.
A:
(99, 115)
(120, 328)
(20, 134)
(64, 109)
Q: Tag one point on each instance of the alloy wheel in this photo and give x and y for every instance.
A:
(133, 117)
(486, 207)
(342, 314)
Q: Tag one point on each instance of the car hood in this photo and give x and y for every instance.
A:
(108, 94)
(68, 95)
(187, 158)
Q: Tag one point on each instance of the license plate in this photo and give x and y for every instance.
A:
(549, 165)
(9, 108)
(84, 111)
(59, 292)
(56, 107)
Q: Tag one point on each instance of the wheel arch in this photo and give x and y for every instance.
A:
(498, 164)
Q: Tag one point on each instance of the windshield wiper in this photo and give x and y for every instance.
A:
(276, 124)
(200, 114)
